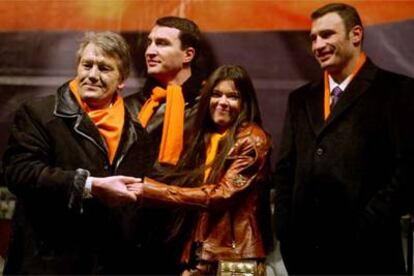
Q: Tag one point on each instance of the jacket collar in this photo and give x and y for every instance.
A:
(191, 87)
(358, 86)
(66, 104)
(191, 90)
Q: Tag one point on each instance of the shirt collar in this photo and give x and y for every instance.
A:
(342, 85)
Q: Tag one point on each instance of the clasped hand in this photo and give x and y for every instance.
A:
(117, 190)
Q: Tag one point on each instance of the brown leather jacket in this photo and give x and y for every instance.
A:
(228, 225)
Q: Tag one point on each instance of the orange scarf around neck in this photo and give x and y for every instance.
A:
(327, 93)
(109, 121)
(173, 126)
(211, 151)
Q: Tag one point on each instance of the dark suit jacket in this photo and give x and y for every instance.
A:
(342, 184)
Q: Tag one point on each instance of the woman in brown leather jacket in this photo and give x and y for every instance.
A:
(222, 175)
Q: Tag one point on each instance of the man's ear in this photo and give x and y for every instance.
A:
(189, 54)
(356, 35)
(121, 85)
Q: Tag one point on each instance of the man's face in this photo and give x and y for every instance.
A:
(331, 44)
(99, 76)
(164, 56)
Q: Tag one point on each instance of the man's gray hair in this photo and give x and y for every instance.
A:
(113, 45)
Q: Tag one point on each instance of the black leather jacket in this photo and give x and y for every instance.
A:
(191, 90)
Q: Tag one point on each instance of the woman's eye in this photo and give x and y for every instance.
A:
(233, 96)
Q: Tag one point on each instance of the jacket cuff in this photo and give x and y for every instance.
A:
(78, 190)
(151, 189)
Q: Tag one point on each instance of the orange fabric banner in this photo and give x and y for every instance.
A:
(139, 15)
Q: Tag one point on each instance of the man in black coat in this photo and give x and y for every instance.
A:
(68, 160)
(172, 55)
(344, 171)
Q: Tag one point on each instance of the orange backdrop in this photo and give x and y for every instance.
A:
(211, 15)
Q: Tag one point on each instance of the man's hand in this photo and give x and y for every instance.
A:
(136, 188)
(113, 190)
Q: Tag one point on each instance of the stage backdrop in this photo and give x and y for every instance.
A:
(39, 39)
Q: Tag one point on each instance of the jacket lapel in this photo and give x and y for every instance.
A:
(86, 128)
(314, 106)
(129, 136)
(67, 107)
(358, 86)
(157, 118)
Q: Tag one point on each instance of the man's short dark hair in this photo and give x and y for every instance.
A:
(190, 35)
(348, 14)
(112, 44)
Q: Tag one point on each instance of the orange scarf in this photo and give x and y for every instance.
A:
(173, 128)
(211, 152)
(327, 93)
(109, 121)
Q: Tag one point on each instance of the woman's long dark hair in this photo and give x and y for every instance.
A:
(191, 165)
(189, 171)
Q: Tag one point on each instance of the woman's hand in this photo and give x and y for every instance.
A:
(136, 188)
(113, 189)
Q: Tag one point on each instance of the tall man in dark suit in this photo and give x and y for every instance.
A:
(344, 171)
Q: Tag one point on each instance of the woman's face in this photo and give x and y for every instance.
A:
(225, 102)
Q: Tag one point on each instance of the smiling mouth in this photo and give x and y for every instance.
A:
(152, 62)
(223, 111)
(324, 57)
(92, 86)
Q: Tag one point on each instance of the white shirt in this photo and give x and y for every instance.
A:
(342, 85)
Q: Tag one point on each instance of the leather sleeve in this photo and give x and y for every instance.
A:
(245, 161)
